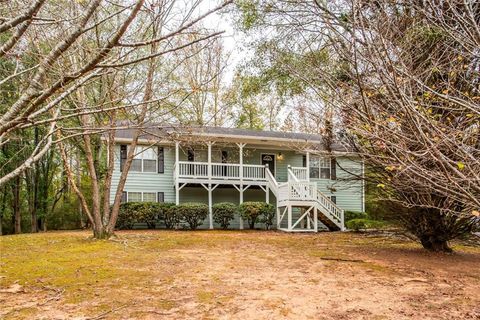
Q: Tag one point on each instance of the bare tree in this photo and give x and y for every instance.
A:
(144, 83)
(42, 39)
(199, 77)
(402, 81)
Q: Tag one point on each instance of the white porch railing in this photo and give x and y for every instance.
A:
(302, 190)
(227, 171)
(254, 172)
(330, 207)
(300, 173)
(192, 169)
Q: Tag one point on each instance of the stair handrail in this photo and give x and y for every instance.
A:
(291, 174)
(273, 184)
(330, 206)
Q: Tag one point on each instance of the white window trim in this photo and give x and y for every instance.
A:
(320, 158)
(142, 192)
(141, 157)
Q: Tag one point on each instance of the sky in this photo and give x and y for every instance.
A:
(233, 41)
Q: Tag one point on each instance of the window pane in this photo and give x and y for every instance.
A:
(149, 197)
(149, 165)
(314, 172)
(138, 152)
(324, 173)
(149, 153)
(325, 162)
(136, 165)
(134, 197)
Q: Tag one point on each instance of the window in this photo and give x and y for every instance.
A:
(322, 168)
(334, 199)
(149, 160)
(314, 167)
(134, 197)
(143, 196)
(145, 160)
(149, 197)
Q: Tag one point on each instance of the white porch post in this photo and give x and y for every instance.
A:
(240, 146)
(241, 201)
(308, 165)
(210, 210)
(267, 194)
(315, 219)
(209, 144)
(278, 217)
(289, 208)
(177, 172)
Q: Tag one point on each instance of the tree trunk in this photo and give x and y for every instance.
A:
(101, 232)
(434, 244)
(36, 178)
(16, 205)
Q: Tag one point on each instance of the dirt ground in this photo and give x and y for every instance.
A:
(234, 275)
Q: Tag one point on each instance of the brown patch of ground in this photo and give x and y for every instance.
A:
(234, 275)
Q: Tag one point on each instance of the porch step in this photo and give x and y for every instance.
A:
(327, 222)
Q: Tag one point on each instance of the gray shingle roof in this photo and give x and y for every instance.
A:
(153, 132)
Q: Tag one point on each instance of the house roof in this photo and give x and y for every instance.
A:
(169, 133)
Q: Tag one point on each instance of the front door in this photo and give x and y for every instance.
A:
(270, 160)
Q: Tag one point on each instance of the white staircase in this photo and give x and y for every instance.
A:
(299, 194)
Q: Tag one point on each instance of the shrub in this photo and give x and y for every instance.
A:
(252, 211)
(141, 212)
(162, 213)
(363, 224)
(350, 215)
(223, 213)
(192, 213)
(170, 217)
(268, 214)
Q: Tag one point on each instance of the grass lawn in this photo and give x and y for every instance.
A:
(234, 275)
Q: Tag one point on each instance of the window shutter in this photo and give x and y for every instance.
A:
(304, 159)
(123, 155)
(160, 197)
(124, 197)
(161, 160)
(333, 169)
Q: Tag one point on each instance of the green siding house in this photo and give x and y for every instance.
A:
(309, 186)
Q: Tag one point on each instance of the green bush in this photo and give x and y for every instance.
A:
(253, 211)
(141, 212)
(223, 213)
(268, 214)
(192, 213)
(350, 215)
(170, 217)
(363, 224)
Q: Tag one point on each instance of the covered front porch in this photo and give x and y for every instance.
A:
(214, 165)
